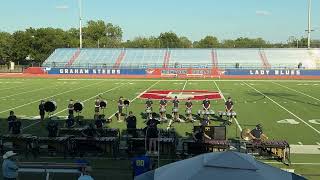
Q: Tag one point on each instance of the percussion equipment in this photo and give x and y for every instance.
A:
(126, 102)
(175, 110)
(188, 111)
(162, 109)
(246, 135)
(50, 106)
(227, 114)
(148, 110)
(96, 144)
(78, 106)
(206, 112)
(103, 104)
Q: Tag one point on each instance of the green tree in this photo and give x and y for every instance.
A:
(5, 47)
(208, 42)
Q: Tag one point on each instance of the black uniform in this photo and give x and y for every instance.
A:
(149, 103)
(229, 105)
(188, 104)
(11, 120)
(41, 111)
(175, 103)
(152, 131)
(70, 121)
(256, 132)
(163, 102)
(99, 123)
(52, 128)
(16, 128)
(206, 103)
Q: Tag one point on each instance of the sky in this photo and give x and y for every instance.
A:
(273, 20)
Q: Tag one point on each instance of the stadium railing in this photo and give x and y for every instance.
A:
(175, 65)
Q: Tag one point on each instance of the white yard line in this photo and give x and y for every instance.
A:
(137, 96)
(38, 100)
(235, 119)
(92, 97)
(193, 80)
(296, 91)
(316, 130)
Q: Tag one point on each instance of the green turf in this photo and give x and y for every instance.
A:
(299, 100)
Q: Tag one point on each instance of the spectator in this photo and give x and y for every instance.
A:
(11, 120)
(70, 122)
(9, 166)
(16, 126)
(131, 123)
(152, 135)
(52, 128)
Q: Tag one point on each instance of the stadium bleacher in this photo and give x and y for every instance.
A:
(184, 58)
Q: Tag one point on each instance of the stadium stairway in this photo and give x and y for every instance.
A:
(120, 59)
(166, 58)
(214, 58)
(264, 59)
(73, 58)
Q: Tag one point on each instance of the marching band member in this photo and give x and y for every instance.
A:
(70, 107)
(229, 108)
(41, 110)
(149, 108)
(11, 119)
(163, 106)
(257, 133)
(206, 107)
(97, 106)
(175, 112)
(200, 136)
(189, 109)
(120, 108)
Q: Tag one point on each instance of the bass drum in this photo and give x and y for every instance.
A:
(78, 106)
(103, 104)
(50, 106)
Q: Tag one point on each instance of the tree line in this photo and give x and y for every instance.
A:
(35, 45)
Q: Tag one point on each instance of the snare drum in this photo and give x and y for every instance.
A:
(188, 111)
(175, 110)
(163, 109)
(148, 110)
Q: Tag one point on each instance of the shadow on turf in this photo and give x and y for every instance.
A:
(285, 96)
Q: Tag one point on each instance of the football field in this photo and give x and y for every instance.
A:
(287, 109)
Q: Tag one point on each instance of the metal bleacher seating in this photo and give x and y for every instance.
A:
(183, 58)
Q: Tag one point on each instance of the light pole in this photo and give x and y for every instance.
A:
(80, 23)
(309, 24)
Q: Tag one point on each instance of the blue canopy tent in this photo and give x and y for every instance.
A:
(223, 165)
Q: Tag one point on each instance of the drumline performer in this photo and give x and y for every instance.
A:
(41, 110)
(163, 110)
(257, 133)
(149, 109)
(97, 106)
(71, 107)
(120, 108)
(188, 105)
(229, 109)
(206, 108)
